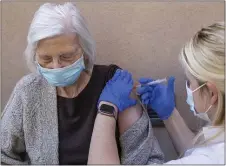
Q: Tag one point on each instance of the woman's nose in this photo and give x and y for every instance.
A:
(56, 64)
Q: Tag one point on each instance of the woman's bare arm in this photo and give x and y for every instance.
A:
(103, 147)
(103, 137)
(129, 116)
(138, 145)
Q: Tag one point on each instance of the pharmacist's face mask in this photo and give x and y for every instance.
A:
(190, 102)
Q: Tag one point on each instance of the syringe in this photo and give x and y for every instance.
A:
(153, 82)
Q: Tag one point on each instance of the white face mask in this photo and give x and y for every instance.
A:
(190, 102)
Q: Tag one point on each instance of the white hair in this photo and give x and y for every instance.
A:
(54, 19)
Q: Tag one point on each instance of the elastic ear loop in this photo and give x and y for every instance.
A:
(199, 87)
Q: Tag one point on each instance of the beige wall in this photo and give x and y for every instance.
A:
(0, 54)
(143, 37)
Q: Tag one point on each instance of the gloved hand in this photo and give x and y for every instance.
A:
(117, 90)
(159, 97)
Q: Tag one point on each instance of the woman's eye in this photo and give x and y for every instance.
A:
(46, 59)
(66, 57)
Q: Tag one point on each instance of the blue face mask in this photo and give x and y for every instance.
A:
(190, 102)
(65, 76)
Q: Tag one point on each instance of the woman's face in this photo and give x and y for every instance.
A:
(201, 96)
(58, 51)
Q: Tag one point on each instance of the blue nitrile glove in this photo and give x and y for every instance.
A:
(159, 97)
(117, 90)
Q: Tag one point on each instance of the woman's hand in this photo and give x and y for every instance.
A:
(159, 97)
(117, 90)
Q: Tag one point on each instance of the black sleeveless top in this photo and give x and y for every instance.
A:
(76, 117)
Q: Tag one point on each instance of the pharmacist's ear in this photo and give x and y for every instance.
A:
(212, 92)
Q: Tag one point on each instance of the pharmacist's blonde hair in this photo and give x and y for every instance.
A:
(204, 58)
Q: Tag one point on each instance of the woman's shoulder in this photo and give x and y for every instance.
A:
(106, 70)
(213, 151)
(30, 80)
(211, 154)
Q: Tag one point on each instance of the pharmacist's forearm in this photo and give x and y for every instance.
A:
(179, 132)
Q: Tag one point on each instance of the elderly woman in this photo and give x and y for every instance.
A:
(50, 115)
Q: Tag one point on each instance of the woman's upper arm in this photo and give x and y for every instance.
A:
(12, 139)
(128, 117)
(138, 144)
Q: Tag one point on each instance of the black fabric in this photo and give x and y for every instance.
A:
(76, 118)
(155, 120)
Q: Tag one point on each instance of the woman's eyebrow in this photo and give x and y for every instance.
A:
(44, 56)
(66, 53)
(71, 51)
(41, 54)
